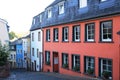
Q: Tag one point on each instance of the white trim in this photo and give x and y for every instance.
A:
(77, 29)
(82, 3)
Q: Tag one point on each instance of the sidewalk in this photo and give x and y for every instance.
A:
(68, 77)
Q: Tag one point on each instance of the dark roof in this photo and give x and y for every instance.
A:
(28, 36)
(94, 9)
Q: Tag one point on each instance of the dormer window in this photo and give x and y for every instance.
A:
(61, 7)
(102, 0)
(40, 17)
(49, 13)
(33, 21)
(82, 3)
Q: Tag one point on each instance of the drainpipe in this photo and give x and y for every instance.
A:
(118, 33)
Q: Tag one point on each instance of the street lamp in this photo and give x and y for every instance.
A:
(118, 33)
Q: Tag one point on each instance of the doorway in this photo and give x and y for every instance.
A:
(55, 62)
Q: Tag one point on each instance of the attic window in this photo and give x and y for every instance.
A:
(61, 7)
(82, 3)
(49, 11)
(40, 17)
(33, 21)
(102, 0)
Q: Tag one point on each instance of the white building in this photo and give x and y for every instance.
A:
(26, 51)
(36, 50)
(4, 38)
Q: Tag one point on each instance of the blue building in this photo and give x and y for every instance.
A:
(19, 54)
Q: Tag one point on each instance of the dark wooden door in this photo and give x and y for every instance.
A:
(55, 62)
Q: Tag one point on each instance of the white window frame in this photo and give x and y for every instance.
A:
(91, 63)
(49, 11)
(65, 58)
(65, 33)
(32, 36)
(91, 29)
(56, 34)
(82, 3)
(40, 17)
(47, 56)
(37, 53)
(106, 66)
(108, 39)
(76, 30)
(75, 60)
(61, 7)
(48, 34)
(102, 0)
(34, 21)
(39, 36)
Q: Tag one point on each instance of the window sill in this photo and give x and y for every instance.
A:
(47, 64)
(89, 41)
(65, 41)
(47, 41)
(55, 41)
(76, 41)
(106, 42)
(65, 68)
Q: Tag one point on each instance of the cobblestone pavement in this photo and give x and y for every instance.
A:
(26, 75)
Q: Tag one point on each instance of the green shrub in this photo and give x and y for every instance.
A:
(65, 65)
(4, 53)
(90, 71)
(105, 74)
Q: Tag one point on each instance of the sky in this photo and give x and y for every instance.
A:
(19, 13)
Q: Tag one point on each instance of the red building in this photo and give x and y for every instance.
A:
(81, 39)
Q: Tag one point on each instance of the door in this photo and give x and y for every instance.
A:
(34, 65)
(55, 62)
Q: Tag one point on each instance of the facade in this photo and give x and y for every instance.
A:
(12, 56)
(19, 54)
(4, 38)
(36, 49)
(79, 38)
(26, 51)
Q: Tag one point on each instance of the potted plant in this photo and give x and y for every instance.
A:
(106, 74)
(76, 68)
(65, 65)
(4, 66)
(90, 71)
(48, 62)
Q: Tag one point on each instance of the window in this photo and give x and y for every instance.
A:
(89, 64)
(106, 31)
(76, 33)
(32, 51)
(40, 17)
(32, 36)
(65, 34)
(39, 36)
(33, 21)
(65, 60)
(38, 53)
(82, 3)
(76, 62)
(49, 13)
(89, 32)
(47, 57)
(61, 8)
(48, 35)
(105, 66)
(55, 34)
(102, 0)
(11, 56)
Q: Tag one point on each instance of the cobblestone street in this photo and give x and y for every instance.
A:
(26, 75)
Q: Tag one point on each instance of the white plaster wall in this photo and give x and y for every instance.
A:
(4, 38)
(36, 45)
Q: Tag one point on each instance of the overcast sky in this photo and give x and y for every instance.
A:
(19, 13)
